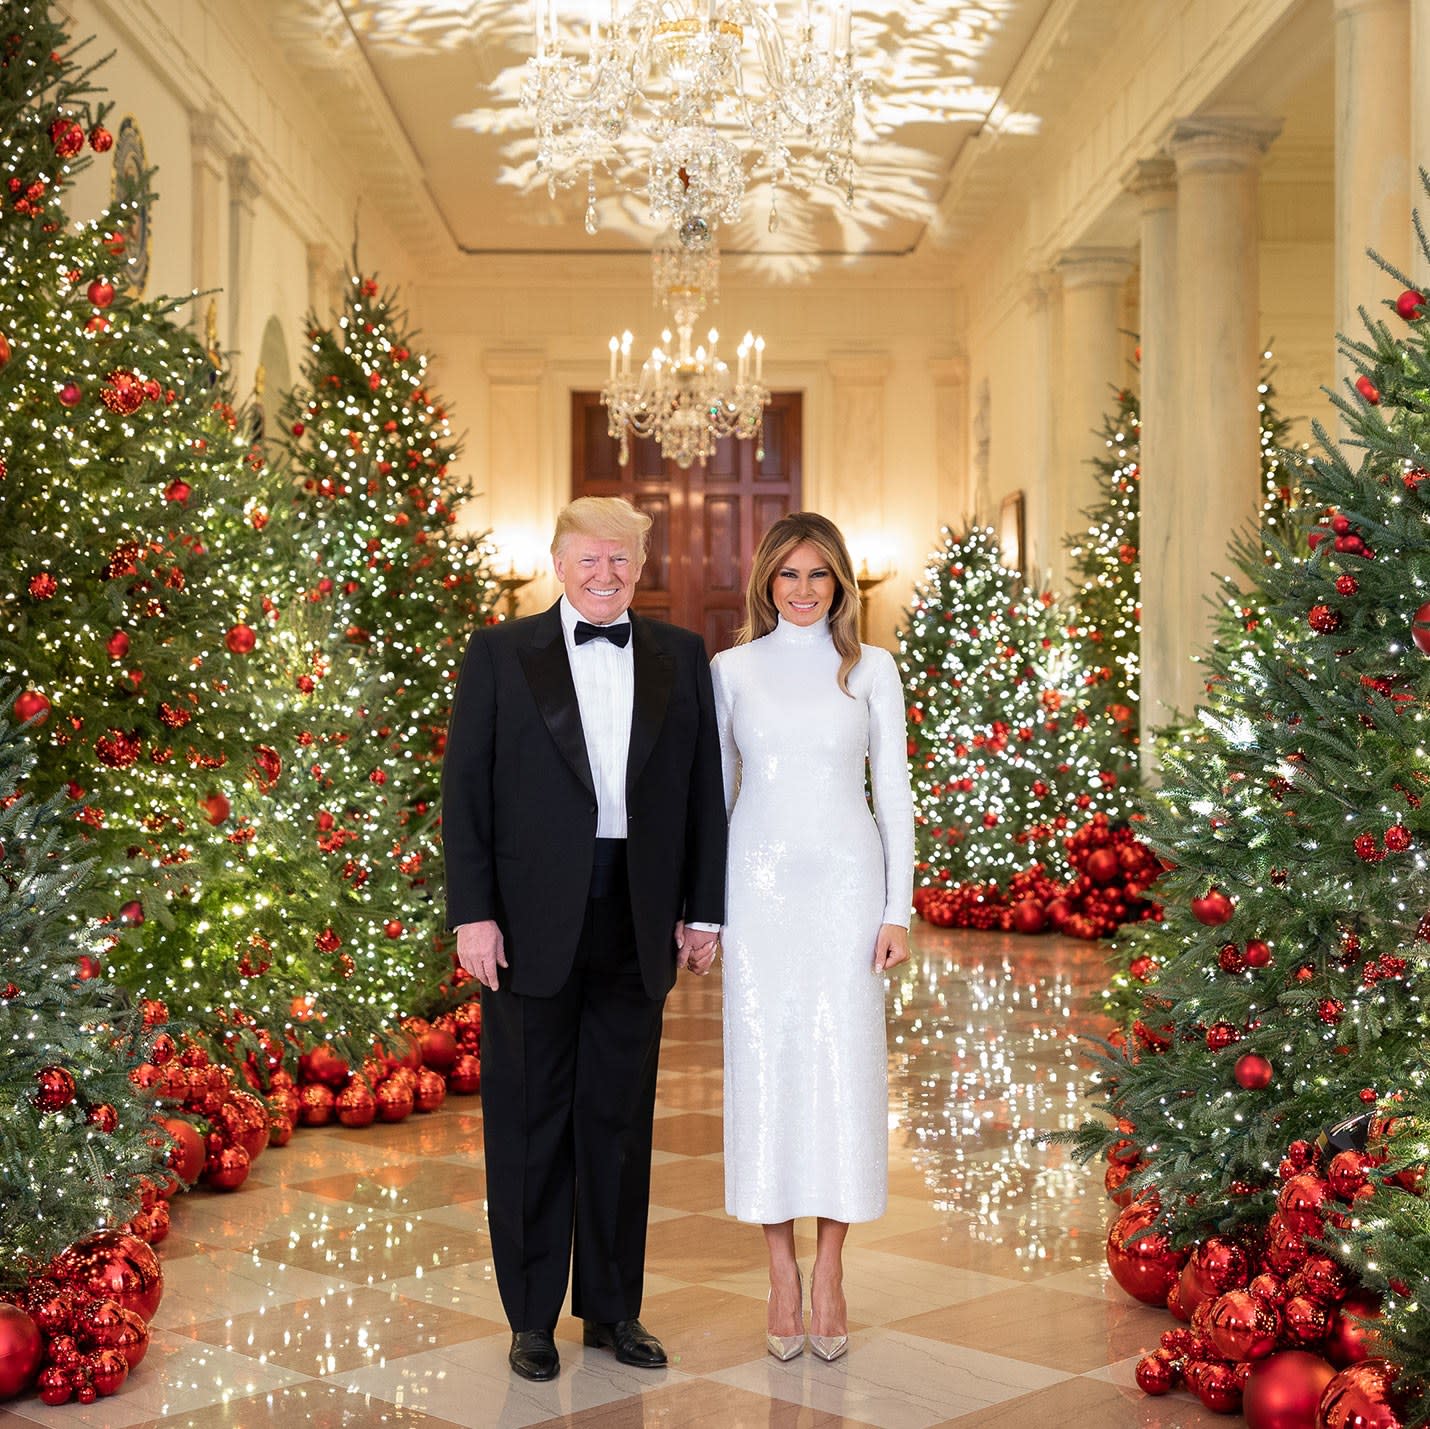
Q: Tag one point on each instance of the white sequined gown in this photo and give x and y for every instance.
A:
(811, 876)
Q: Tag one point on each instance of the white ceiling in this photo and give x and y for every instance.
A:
(430, 88)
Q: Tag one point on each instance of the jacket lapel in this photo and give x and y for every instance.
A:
(548, 672)
(654, 676)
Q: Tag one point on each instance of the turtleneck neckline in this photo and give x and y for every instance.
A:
(792, 634)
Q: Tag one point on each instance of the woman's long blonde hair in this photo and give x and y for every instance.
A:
(790, 531)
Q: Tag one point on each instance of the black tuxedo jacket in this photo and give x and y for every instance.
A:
(519, 803)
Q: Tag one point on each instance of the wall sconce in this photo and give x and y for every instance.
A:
(510, 585)
(869, 581)
(516, 560)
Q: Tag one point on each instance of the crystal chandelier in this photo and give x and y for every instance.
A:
(685, 397)
(667, 72)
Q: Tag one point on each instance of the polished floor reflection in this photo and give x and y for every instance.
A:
(350, 1281)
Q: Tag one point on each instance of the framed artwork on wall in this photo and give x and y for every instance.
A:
(1010, 531)
(130, 166)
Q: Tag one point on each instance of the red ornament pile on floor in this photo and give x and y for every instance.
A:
(1272, 1319)
(1115, 870)
(81, 1325)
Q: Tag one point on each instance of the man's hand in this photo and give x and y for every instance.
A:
(481, 951)
(697, 949)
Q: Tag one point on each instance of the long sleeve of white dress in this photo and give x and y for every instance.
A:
(812, 874)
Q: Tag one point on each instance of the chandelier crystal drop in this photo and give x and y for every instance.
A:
(684, 397)
(686, 79)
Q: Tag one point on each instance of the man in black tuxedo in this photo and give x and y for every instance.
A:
(583, 821)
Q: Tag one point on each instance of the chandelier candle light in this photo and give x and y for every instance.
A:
(686, 399)
(666, 73)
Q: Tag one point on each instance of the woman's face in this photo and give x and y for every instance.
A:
(803, 586)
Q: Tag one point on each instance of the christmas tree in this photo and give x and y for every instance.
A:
(1290, 1006)
(1106, 602)
(155, 669)
(372, 505)
(76, 1138)
(986, 681)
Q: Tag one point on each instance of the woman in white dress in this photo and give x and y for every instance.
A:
(817, 909)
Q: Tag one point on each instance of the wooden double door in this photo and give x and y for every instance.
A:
(706, 521)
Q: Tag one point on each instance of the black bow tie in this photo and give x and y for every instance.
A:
(616, 634)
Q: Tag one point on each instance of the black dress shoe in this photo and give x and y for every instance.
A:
(632, 1342)
(533, 1354)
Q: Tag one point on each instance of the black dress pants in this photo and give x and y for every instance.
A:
(568, 1097)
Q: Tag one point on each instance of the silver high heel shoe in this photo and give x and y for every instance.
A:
(828, 1347)
(787, 1347)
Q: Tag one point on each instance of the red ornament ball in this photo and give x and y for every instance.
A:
(1213, 908)
(1103, 865)
(394, 1100)
(22, 1347)
(240, 639)
(1323, 619)
(70, 395)
(216, 808)
(1397, 838)
(1252, 1072)
(431, 1090)
(356, 1106)
(465, 1078)
(1029, 916)
(393, 928)
(31, 705)
(1347, 1342)
(54, 1088)
(1146, 1268)
(1217, 1388)
(1347, 585)
(1367, 849)
(101, 292)
(1368, 390)
(55, 1385)
(1283, 1390)
(132, 913)
(1409, 305)
(1330, 1011)
(4, 349)
(1157, 1373)
(1242, 1327)
(1258, 954)
(1361, 1396)
(110, 1370)
(1420, 629)
(101, 141)
(107, 1325)
(178, 491)
(117, 645)
(1220, 1036)
(228, 1170)
(1299, 1204)
(115, 1266)
(316, 1105)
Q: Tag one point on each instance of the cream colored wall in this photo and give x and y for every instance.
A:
(222, 119)
(512, 350)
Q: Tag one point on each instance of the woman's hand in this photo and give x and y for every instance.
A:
(891, 947)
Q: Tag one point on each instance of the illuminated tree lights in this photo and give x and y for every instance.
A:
(1002, 761)
(75, 1135)
(1290, 993)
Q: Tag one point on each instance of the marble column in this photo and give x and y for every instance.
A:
(1164, 646)
(244, 187)
(1373, 142)
(514, 470)
(1419, 123)
(1218, 354)
(209, 150)
(1094, 364)
(957, 501)
(1042, 509)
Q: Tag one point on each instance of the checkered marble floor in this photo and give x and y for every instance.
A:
(350, 1281)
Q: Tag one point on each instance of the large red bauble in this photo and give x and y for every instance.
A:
(1059, 910)
(1360, 1397)
(228, 1170)
(116, 1266)
(1252, 1072)
(1157, 1373)
(109, 1372)
(438, 1048)
(1306, 1320)
(55, 1385)
(107, 1325)
(1212, 908)
(324, 1065)
(431, 1090)
(186, 1157)
(54, 1088)
(31, 705)
(1219, 1265)
(240, 639)
(1420, 629)
(1410, 305)
(1103, 865)
(316, 1105)
(465, 1076)
(22, 1346)
(1300, 1203)
(1028, 916)
(1349, 1343)
(1113, 1182)
(1243, 1327)
(101, 292)
(1146, 1268)
(216, 808)
(1217, 1388)
(1283, 1390)
(356, 1105)
(394, 1101)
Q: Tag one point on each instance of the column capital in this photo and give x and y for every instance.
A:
(1228, 142)
(1037, 289)
(1152, 180)
(245, 178)
(514, 367)
(859, 369)
(1093, 267)
(211, 141)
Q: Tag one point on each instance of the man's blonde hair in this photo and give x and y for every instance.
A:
(606, 518)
